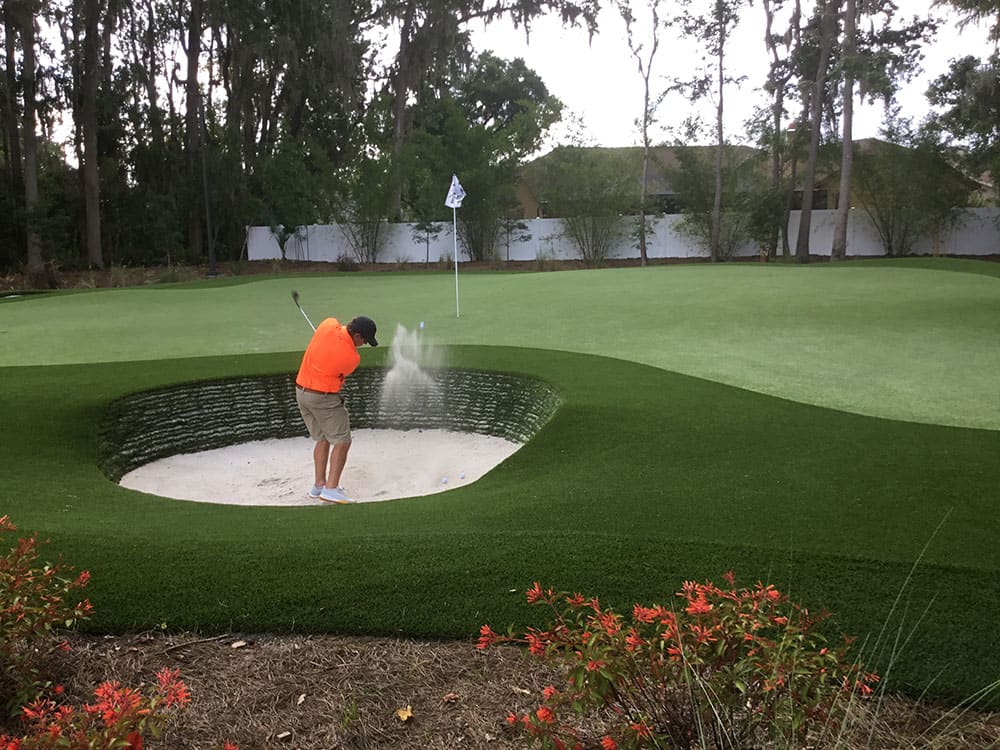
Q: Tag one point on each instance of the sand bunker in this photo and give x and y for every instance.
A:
(382, 465)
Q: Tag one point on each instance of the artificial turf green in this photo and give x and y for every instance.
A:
(894, 340)
(642, 479)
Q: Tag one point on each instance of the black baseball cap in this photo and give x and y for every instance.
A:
(366, 327)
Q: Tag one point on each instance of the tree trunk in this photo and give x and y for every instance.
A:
(400, 126)
(35, 267)
(715, 240)
(10, 104)
(839, 249)
(91, 175)
(778, 82)
(193, 134)
(827, 32)
(645, 172)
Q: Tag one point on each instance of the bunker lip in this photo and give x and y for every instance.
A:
(383, 465)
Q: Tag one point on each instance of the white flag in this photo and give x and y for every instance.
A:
(456, 195)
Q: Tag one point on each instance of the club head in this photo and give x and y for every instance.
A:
(295, 296)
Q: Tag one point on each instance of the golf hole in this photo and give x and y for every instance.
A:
(241, 440)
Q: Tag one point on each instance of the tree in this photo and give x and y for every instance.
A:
(23, 12)
(908, 188)
(424, 231)
(713, 29)
(644, 63)
(513, 229)
(14, 192)
(89, 124)
(432, 39)
(876, 60)
(590, 190)
(969, 95)
(975, 11)
(780, 75)
(695, 180)
(839, 248)
(194, 142)
(480, 126)
(825, 29)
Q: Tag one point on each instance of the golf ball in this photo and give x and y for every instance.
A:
(444, 480)
(461, 475)
(421, 325)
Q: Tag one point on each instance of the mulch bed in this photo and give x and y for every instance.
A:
(326, 692)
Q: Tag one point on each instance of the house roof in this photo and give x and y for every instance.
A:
(663, 161)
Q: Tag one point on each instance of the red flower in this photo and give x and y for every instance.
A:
(486, 637)
(230, 746)
(512, 718)
(545, 715)
(134, 741)
(534, 593)
(702, 635)
(595, 665)
(632, 640)
(608, 744)
(535, 644)
(644, 614)
(549, 691)
(114, 702)
(174, 691)
(576, 601)
(698, 607)
(610, 623)
(641, 730)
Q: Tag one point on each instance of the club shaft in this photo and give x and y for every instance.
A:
(305, 316)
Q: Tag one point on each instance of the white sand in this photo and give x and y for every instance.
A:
(382, 465)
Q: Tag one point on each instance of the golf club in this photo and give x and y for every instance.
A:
(295, 297)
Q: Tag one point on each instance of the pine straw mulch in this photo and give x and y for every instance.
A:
(327, 692)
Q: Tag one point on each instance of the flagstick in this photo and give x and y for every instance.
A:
(454, 233)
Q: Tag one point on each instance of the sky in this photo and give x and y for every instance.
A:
(600, 86)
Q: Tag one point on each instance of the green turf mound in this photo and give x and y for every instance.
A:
(192, 417)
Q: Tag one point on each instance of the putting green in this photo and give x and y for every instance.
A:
(888, 341)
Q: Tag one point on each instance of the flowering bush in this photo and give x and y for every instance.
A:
(34, 600)
(119, 717)
(724, 668)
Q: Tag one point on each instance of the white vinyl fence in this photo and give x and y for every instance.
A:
(977, 233)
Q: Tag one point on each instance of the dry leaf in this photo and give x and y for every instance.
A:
(238, 644)
(404, 714)
(449, 698)
(301, 700)
(284, 735)
(522, 691)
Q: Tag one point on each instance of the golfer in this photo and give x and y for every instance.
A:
(331, 356)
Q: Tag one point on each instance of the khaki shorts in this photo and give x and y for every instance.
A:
(325, 416)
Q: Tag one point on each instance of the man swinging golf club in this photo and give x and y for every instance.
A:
(331, 356)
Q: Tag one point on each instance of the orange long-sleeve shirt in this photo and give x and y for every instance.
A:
(330, 357)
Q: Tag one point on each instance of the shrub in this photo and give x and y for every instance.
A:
(346, 263)
(119, 717)
(724, 668)
(34, 601)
